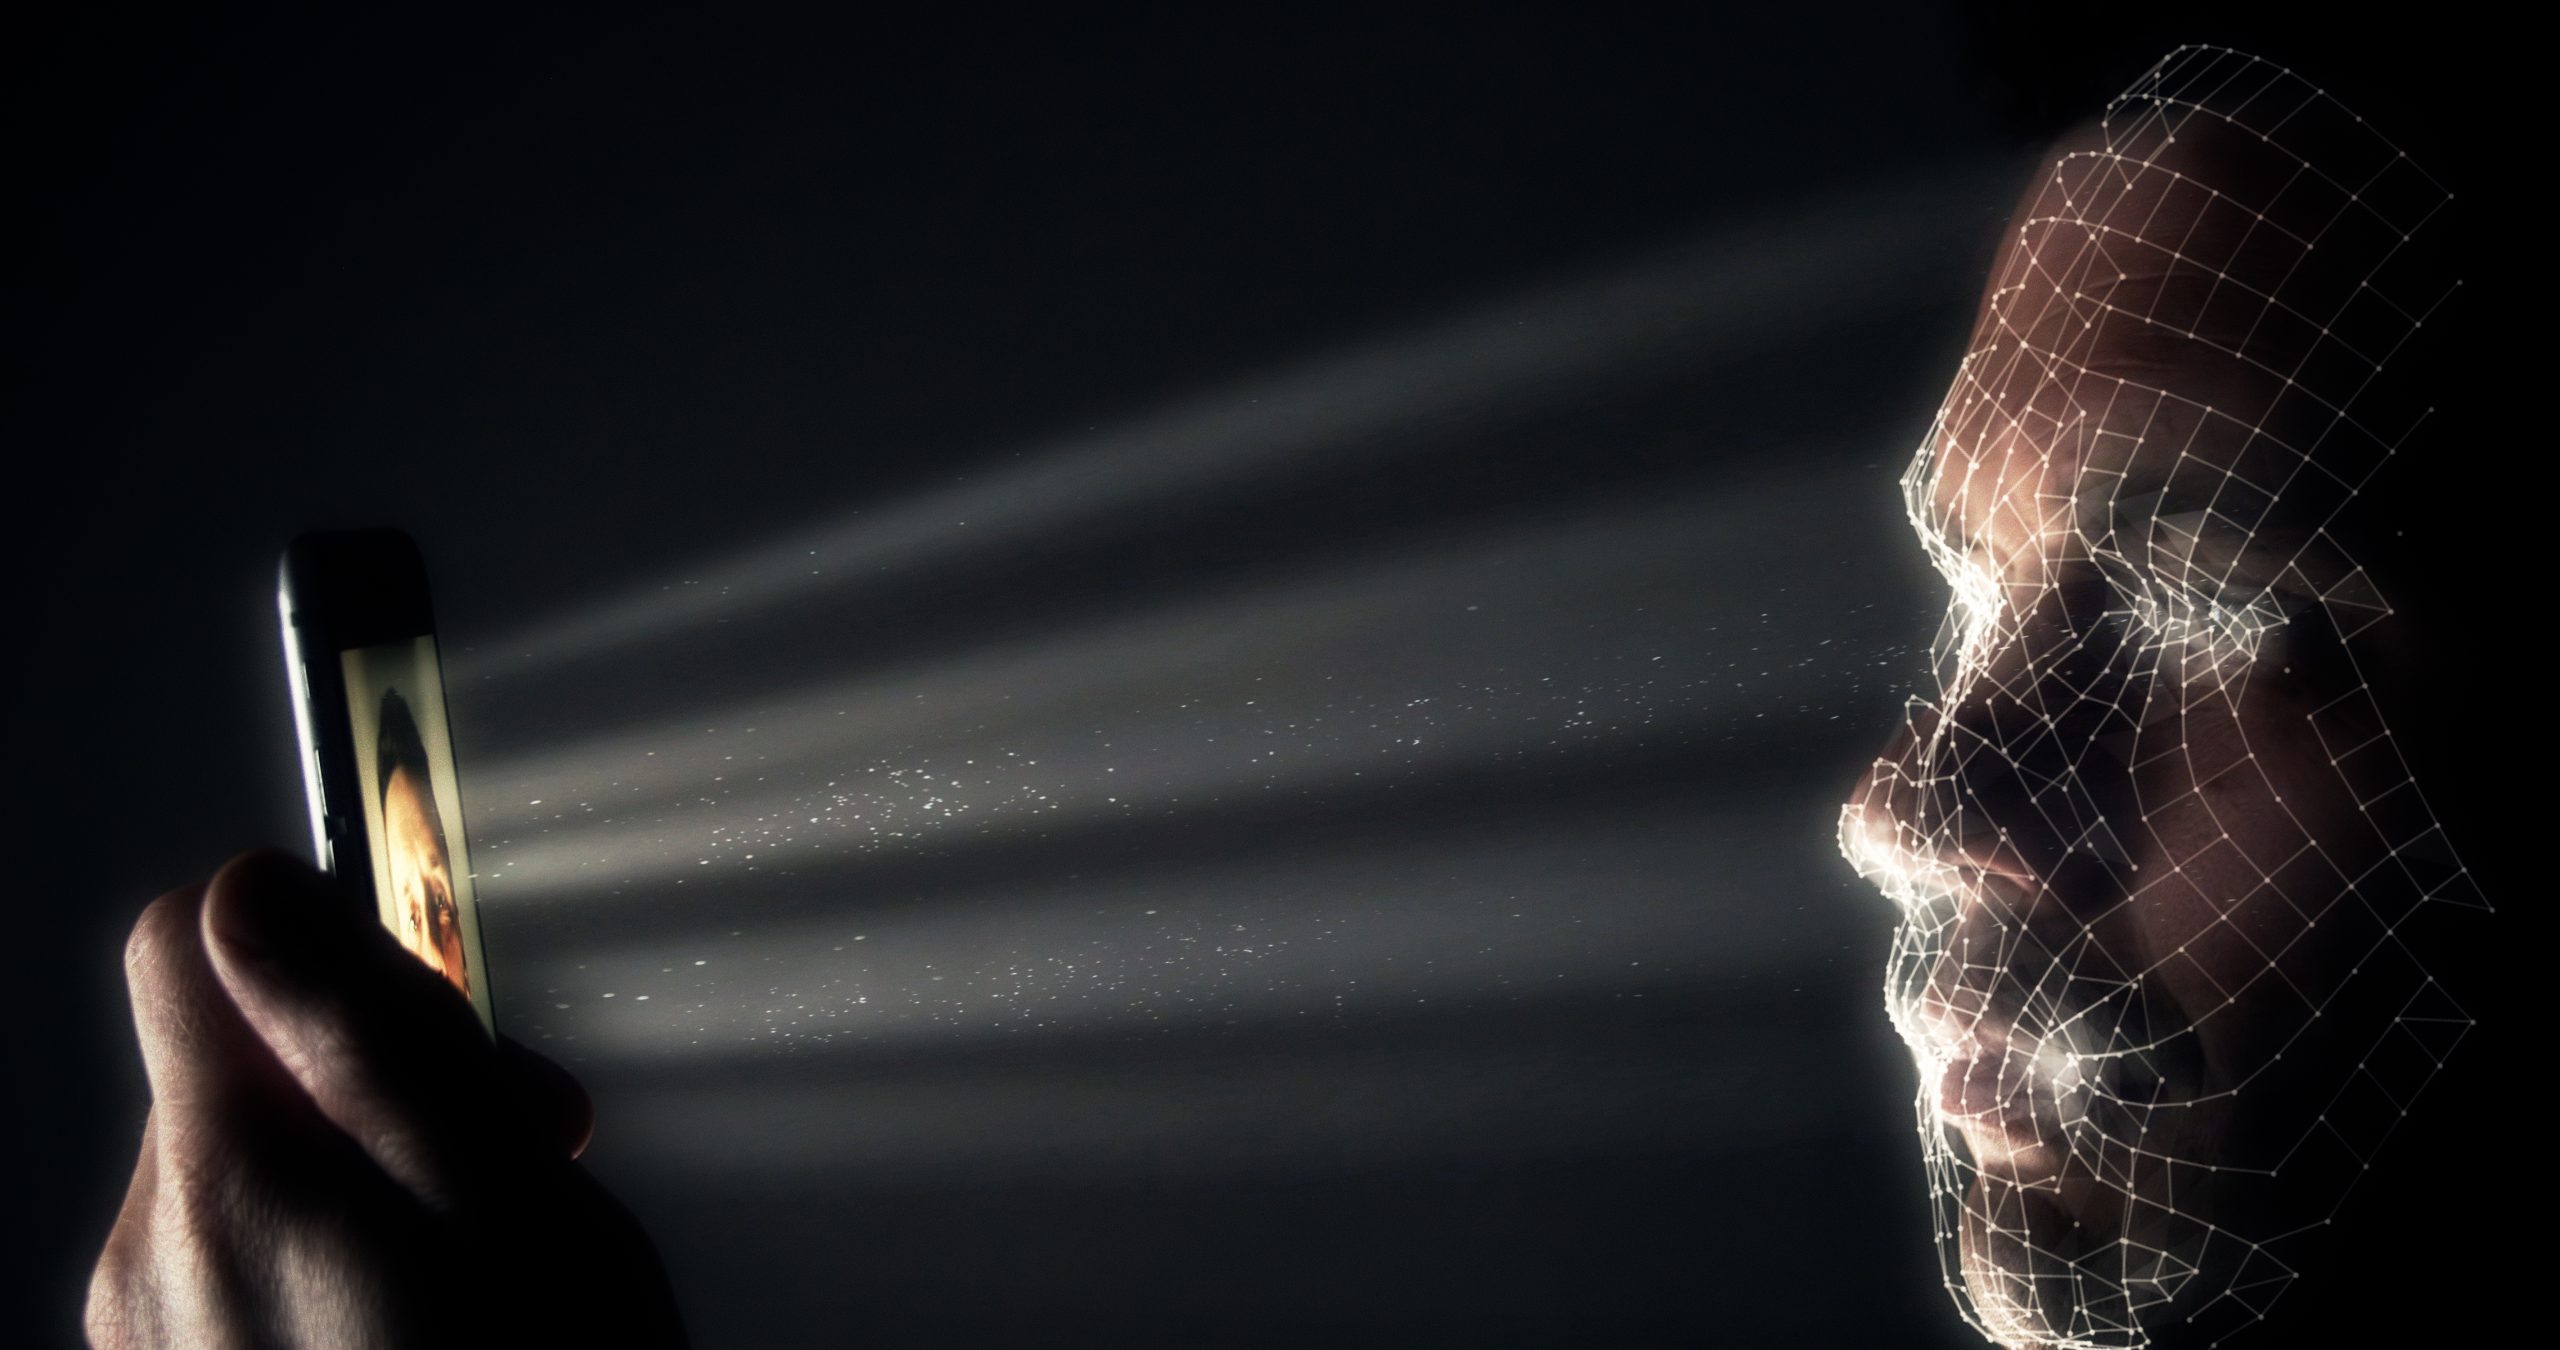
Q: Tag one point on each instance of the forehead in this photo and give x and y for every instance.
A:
(2156, 349)
(406, 806)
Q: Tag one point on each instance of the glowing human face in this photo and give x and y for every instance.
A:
(421, 878)
(2151, 843)
(2129, 876)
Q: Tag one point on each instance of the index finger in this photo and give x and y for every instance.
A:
(202, 1058)
(383, 1046)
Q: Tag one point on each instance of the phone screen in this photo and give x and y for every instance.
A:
(413, 809)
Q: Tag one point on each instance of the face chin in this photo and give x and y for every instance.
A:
(2017, 1246)
(2067, 1185)
(2052, 1260)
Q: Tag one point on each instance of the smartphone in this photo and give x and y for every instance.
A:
(377, 751)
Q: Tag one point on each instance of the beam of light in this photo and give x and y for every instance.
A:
(1618, 901)
(1447, 987)
(1006, 739)
(1760, 284)
(800, 892)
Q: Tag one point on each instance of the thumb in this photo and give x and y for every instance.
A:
(387, 1050)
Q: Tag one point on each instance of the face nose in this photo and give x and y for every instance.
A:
(1926, 815)
(1948, 824)
(2006, 773)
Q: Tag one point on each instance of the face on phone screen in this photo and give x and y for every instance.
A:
(413, 808)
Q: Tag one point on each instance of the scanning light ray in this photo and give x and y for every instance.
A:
(1755, 285)
(1620, 903)
(1684, 789)
(1005, 735)
(1314, 622)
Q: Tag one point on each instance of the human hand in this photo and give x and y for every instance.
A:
(336, 1154)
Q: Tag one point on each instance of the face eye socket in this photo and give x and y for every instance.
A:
(2077, 629)
(432, 873)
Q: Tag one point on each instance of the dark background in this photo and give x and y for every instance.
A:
(592, 303)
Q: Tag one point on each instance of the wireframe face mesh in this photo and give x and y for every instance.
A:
(2153, 847)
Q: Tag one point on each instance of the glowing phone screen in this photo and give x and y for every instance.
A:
(413, 809)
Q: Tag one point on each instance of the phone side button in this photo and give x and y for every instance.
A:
(338, 838)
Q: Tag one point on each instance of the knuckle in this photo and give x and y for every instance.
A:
(112, 1316)
(106, 1325)
(159, 936)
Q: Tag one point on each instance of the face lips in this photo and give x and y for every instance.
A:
(2003, 1054)
(2023, 999)
(2002, 1091)
(2044, 1078)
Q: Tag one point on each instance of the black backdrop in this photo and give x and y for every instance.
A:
(590, 301)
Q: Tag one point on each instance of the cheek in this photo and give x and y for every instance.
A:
(2245, 844)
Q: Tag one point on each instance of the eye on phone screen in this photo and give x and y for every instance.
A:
(413, 808)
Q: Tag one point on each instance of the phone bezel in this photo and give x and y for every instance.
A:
(337, 591)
